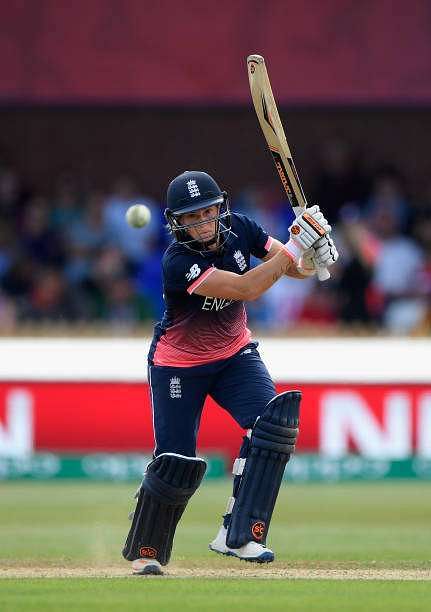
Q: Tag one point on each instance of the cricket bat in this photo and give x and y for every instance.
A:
(272, 128)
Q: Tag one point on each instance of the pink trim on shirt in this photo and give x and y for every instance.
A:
(200, 280)
(168, 355)
(268, 243)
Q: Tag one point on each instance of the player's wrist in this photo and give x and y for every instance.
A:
(288, 253)
(294, 250)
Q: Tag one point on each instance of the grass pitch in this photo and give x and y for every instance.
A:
(338, 533)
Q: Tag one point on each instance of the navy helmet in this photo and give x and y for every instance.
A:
(191, 191)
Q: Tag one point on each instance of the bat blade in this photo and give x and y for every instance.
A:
(272, 128)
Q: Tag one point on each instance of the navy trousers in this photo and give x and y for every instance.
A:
(240, 384)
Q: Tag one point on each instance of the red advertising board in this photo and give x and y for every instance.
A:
(374, 420)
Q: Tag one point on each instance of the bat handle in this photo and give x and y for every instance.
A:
(323, 274)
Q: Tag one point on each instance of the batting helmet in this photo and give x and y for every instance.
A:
(190, 191)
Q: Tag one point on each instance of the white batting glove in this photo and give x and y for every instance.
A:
(322, 255)
(326, 252)
(305, 231)
(307, 264)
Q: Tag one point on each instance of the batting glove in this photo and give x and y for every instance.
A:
(309, 227)
(322, 255)
(326, 253)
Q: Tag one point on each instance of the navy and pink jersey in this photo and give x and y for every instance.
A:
(197, 329)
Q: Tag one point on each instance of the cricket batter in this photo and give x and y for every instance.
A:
(203, 347)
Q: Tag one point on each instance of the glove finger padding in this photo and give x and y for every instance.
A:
(313, 210)
(312, 230)
(326, 252)
(323, 222)
(316, 213)
(322, 250)
(304, 232)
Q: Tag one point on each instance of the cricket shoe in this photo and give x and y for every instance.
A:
(252, 551)
(146, 567)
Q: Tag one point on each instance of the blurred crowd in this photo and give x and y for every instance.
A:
(69, 256)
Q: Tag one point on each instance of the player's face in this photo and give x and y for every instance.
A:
(203, 223)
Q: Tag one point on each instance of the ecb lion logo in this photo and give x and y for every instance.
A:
(240, 260)
(193, 189)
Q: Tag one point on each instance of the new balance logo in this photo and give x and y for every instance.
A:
(175, 387)
(193, 189)
(193, 272)
(239, 258)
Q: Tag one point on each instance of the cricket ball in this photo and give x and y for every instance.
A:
(138, 215)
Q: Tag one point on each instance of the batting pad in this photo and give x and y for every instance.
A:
(273, 439)
(169, 483)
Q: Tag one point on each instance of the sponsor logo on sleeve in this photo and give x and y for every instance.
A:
(193, 272)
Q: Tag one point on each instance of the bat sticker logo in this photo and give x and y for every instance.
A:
(282, 173)
(266, 114)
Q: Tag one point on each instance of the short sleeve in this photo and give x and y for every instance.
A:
(259, 241)
(185, 271)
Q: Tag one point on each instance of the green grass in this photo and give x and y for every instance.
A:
(179, 595)
(340, 525)
(359, 525)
